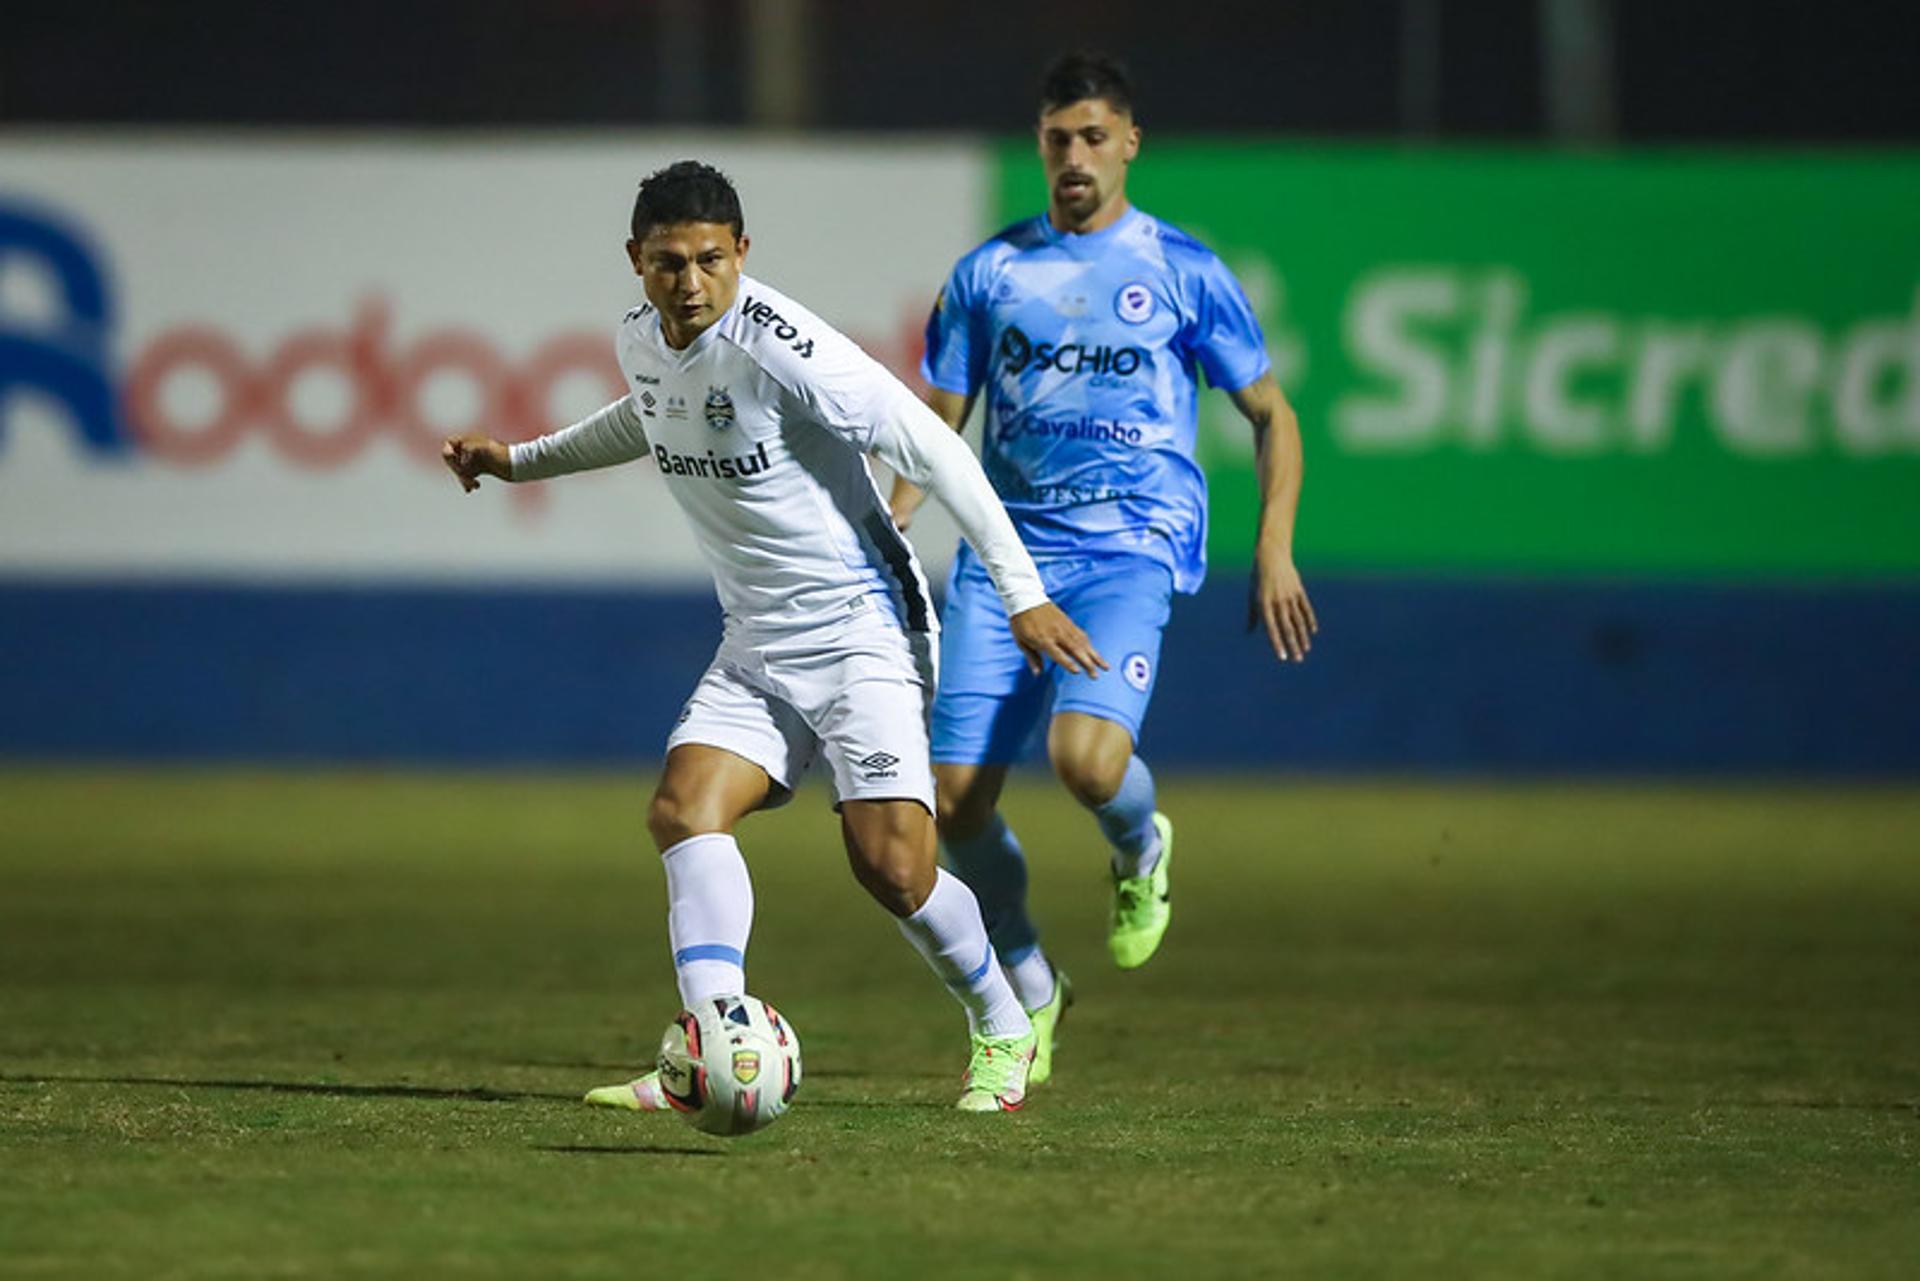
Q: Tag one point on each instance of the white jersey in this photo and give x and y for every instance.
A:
(760, 427)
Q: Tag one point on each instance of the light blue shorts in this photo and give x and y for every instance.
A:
(988, 704)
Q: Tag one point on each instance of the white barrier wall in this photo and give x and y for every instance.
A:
(235, 359)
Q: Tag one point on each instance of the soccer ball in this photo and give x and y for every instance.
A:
(730, 1065)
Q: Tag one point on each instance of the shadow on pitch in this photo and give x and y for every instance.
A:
(812, 1073)
(638, 1149)
(472, 1094)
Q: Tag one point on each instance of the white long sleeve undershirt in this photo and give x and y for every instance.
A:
(912, 440)
(605, 438)
(917, 444)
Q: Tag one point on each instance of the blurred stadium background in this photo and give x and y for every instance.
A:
(1603, 322)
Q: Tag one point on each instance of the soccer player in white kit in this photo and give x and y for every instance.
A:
(758, 415)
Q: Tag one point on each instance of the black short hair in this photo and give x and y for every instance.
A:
(1083, 74)
(686, 191)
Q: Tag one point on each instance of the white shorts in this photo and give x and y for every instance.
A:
(859, 698)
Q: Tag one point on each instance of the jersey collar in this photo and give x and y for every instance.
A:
(684, 356)
(1090, 241)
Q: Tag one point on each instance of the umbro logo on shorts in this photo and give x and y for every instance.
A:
(878, 764)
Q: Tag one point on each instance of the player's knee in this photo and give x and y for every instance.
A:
(962, 815)
(895, 878)
(671, 819)
(1093, 779)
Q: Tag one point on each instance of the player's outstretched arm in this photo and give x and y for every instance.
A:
(907, 496)
(1277, 600)
(603, 438)
(909, 439)
(472, 456)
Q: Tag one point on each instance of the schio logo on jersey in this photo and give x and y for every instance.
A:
(719, 408)
(1019, 353)
(783, 329)
(1016, 351)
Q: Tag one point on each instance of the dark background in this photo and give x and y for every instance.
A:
(1671, 70)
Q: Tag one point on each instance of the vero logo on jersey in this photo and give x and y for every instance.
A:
(1019, 353)
(783, 329)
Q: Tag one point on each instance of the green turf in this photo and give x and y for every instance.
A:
(333, 1026)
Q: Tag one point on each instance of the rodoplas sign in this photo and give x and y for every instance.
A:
(1643, 363)
(238, 359)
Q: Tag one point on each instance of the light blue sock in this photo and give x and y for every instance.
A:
(1127, 821)
(995, 869)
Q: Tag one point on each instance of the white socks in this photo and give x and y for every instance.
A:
(948, 932)
(709, 915)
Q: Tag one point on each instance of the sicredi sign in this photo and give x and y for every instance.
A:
(1665, 363)
(1454, 356)
(239, 359)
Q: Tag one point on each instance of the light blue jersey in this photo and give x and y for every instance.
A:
(1086, 350)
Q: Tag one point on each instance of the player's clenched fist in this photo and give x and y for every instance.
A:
(471, 457)
(1046, 632)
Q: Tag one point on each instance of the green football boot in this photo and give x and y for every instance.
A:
(1046, 1028)
(642, 1094)
(1142, 906)
(996, 1079)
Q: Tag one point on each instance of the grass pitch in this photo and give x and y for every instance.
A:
(258, 1025)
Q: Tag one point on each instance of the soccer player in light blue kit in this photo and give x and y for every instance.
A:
(1085, 331)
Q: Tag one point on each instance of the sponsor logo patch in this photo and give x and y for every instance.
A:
(879, 765)
(1133, 303)
(1019, 353)
(1138, 671)
(712, 466)
(778, 325)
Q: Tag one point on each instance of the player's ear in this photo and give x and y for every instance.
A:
(740, 248)
(633, 256)
(1133, 143)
